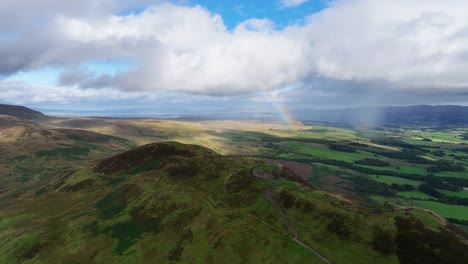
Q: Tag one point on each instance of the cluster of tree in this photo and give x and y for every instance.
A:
(458, 157)
(438, 153)
(395, 143)
(402, 187)
(274, 139)
(357, 144)
(442, 183)
(446, 166)
(464, 136)
(416, 243)
(430, 189)
(465, 150)
(433, 183)
(454, 181)
(351, 166)
(342, 148)
(448, 180)
(411, 155)
(342, 224)
(458, 221)
(370, 186)
(383, 240)
(372, 162)
(328, 124)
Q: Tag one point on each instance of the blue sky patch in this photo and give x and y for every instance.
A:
(235, 11)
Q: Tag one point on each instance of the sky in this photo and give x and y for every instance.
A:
(186, 57)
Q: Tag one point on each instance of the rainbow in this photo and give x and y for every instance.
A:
(285, 114)
(282, 109)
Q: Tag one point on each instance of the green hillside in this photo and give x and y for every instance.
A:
(175, 203)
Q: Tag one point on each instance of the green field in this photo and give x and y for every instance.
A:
(327, 132)
(415, 195)
(463, 175)
(322, 151)
(340, 188)
(435, 136)
(413, 170)
(461, 194)
(386, 168)
(397, 180)
(446, 210)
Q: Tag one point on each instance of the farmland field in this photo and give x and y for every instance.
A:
(383, 171)
(461, 194)
(445, 210)
(415, 195)
(397, 180)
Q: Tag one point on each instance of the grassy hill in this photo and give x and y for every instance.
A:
(31, 153)
(174, 203)
(79, 190)
(20, 112)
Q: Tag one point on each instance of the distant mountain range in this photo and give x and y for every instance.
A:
(418, 114)
(397, 115)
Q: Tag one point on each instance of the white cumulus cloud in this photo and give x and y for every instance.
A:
(403, 43)
(410, 43)
(291, 3)
(188, 49)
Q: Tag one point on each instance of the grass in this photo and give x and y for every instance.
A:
(128, 232)
(455, 174)
(28, 172)
(386, 168)
(460, 194)
(79, 176)
(397, 180)
(331, 133)
(435, 136)
(125, 215)
(291, 156)
(415, 195)
(112, 204)
(69, 153)
(27, 245)
(446, 210)
(428, 219)
(6, 222)
(296, 252)
(210, 209)
(413, 170)
(322, 151)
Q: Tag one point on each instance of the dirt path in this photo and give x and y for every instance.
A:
(274, 200)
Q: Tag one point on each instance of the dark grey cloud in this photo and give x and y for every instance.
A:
(74, 76)
(319, 93)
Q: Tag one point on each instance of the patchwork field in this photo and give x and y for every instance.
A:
(381, 173)
(395, 162)
(391, 161)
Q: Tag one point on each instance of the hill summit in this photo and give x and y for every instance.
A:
(20, 112)
(169, 202)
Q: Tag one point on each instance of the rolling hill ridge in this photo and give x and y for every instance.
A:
(20, 112)
(174, 203)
